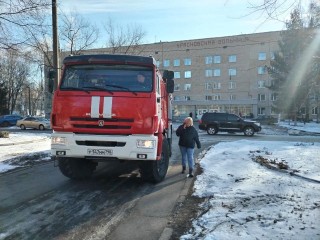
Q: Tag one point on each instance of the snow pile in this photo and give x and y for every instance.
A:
(249, 200)
(23, 149)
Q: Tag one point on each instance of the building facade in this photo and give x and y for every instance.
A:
(224, 74)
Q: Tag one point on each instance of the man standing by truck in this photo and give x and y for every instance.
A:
(188, 137)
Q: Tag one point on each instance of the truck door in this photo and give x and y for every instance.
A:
(158, 96)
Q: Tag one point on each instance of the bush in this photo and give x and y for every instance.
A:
(4, 134)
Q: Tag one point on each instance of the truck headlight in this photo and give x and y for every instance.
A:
(59, 140)
(146, 143)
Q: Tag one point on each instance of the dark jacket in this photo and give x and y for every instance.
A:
(188, 137)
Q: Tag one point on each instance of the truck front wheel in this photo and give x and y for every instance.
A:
(155, 171)
(77, 169)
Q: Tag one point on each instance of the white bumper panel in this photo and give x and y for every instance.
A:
(129, 151)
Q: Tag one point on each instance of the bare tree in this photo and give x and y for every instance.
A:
(122, 39)
(17, 15)
(15, 71)
(276, 9)
(76, 33)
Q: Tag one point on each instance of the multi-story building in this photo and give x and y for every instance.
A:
(226, 74)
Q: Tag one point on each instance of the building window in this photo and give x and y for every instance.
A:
(262, 70)
(187, 87)
(261, 97)
(314, 110)
(232, 85)
(208, 86)
(261, 84)
(261, 111)
(176, 62)
(262, 56)
(272, 55)
(166, 63)
(209, 98)
(217, 72)
(209, 73)
(187, 98)
(187, 74)
(176, 74)
(187, 61)
(177, 87)
(273, 97)
(232, 97)
(176, 98)
(216, 97)
(232, 72)
(217, 59)
(232, 58)
(208, 59)
(313, 97)
(216, 85)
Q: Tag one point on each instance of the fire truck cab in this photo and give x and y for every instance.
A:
(112, 107)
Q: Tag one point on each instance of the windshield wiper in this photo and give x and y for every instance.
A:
(99, 88)
(74, 88)
(121, 87)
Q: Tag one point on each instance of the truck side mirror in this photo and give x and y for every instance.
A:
(168, 74)
(170, 85)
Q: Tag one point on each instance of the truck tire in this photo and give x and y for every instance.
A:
(155, 171)
(77, 169)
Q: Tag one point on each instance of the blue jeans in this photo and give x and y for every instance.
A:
(187, 154)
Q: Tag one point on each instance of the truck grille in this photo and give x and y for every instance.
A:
(101, 143)
(109, 123)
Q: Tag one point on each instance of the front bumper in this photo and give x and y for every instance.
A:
(103, 147)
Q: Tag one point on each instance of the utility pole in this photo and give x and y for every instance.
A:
(30, 113)
(55, 45)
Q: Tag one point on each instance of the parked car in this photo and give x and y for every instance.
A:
(9, 120)
(227, 122)
(179, 118)
(34, 122)
(263, 119)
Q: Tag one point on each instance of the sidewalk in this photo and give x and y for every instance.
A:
(152, 213)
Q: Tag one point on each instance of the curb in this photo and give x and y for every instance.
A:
(19, 143)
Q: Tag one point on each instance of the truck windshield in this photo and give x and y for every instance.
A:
(109, 78)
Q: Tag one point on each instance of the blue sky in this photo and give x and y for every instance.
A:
(174, 20)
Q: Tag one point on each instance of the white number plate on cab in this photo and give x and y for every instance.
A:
(100, 152)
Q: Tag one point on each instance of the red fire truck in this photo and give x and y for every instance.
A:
(112, 107)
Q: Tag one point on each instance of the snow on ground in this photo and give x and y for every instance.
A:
(247, 195)
(259, 190)
(20, 149)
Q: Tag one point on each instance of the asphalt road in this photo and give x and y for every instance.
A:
(40, 203)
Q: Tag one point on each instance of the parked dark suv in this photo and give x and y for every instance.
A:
(227, 122)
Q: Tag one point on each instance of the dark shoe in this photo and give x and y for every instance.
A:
(190, 175)
(183, 170)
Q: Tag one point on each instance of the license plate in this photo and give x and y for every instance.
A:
(100, 152)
